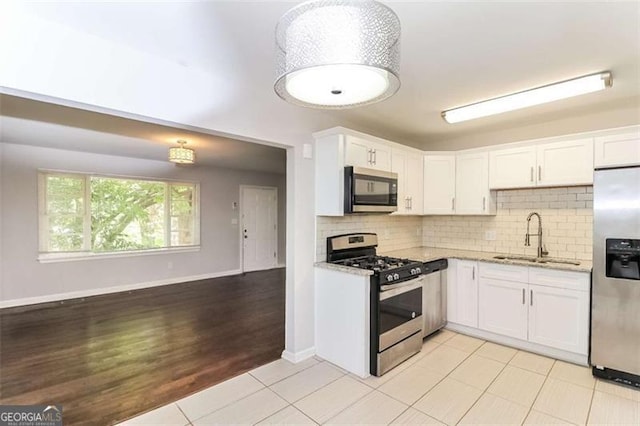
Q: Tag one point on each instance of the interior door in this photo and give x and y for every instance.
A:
(259, 228)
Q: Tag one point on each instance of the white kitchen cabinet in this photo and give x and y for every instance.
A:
(363, 153)
(439, 184)
(512, 167)
(565, 163)
(408, 165)
(502, 307)
(473, 196)
(617, 150)
(342, 319)
(462, 293)
(559, 318)
(559, 309)
(542, 306)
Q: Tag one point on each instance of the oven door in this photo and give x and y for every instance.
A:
(368, 190)
(400, 312)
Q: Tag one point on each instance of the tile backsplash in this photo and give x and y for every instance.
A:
(394, 232)
(567, 222)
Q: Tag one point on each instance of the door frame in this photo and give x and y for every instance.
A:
(241, 222)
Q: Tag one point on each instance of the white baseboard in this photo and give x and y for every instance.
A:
(521, 344)
(296, 357)
(115, 289)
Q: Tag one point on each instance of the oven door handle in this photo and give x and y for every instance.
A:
(387, 291)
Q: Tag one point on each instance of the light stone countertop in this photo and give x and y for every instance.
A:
(426, 254)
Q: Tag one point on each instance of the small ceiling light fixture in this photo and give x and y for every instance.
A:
(531, 97)
(180, 154)
(337, 54)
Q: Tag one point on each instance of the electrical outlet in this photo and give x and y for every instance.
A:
(490, 235)
(169, 265)
(234, 221)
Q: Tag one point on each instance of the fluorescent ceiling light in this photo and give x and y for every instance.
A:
(531, 97)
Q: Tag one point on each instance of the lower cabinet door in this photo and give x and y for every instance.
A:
(559, 318)
(502, 307)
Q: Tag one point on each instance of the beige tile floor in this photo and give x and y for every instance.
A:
(455, 379)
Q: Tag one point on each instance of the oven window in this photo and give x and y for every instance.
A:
(399, 309)
(371, 191)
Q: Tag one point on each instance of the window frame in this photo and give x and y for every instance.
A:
(45, 256)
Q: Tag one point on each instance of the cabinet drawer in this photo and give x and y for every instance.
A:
(513, 273)
(560, 279)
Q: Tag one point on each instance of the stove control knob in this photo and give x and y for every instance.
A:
(396, 276)
(413, 271)
(389, 277)
(418, 270)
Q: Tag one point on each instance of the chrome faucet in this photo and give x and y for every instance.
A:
(527, 242)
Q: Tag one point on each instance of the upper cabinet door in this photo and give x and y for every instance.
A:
(565, 163)
(408, 166)
(364, 153)
(358, 152)
(439, 184)
(618, 150)
(399, 166)
(472, 184)
(415, 183)
(512, 168)
(381, 157)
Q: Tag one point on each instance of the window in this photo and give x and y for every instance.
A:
(86, 214)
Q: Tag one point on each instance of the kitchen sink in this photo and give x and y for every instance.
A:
(533, 259)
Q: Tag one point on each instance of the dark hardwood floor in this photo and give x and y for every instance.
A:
(108, 358)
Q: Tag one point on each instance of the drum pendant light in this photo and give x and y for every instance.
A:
(337, 54)
(181, 155)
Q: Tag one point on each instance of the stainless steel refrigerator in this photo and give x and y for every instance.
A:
(615, 296)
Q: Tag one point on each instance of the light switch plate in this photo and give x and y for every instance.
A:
(234, 221)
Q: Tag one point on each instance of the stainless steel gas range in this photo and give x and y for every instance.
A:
(396, 298)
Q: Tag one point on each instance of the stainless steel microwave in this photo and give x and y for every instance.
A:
(370, 191)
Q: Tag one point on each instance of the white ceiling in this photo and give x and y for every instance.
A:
(452, 53)
(29, 122)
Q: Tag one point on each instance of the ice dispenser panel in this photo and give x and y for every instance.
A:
(623, 259)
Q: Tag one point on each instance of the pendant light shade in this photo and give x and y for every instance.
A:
(181, 155)
(337, 53)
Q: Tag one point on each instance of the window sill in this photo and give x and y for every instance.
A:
(72, 257)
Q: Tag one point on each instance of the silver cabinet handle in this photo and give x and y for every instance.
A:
(523, 296)
(531, 173)
(370, 156)
(531, 298)
(473, 273)
(410, 203)
(453, 204)
(484, 203)
(375, 157)
(539, 173)
(406, 203)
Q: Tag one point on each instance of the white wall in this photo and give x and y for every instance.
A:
(22, 276)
